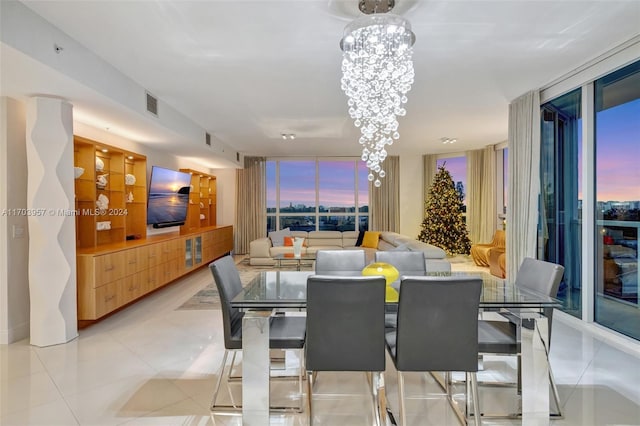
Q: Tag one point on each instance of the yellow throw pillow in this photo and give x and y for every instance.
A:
(370, 239)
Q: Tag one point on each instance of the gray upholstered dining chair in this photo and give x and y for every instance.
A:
(285, 332)
(437, 330)
(502, 337)
(406, 262)
(335, 262)
(345, 331)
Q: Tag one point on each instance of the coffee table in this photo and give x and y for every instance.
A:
(298, 260)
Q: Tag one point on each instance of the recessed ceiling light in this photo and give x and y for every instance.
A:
(104, 150)
(288, 136)
(130, 157)
(448, 140)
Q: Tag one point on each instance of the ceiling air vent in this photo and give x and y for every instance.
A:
(207, 139)
(152, 104)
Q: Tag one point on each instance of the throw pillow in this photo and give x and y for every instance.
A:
(288, 241)
(277, 237)
(359, 240)
(370, 239)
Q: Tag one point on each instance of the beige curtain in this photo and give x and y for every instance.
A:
(481, 194)
(384, 202)
(523, 180)
(251, 210)
(429, 170)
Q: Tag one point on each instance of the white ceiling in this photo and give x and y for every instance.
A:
(248, 71)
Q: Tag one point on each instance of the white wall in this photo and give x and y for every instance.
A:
(226, 196)
(14, 252)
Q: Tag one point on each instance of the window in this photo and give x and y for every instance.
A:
(320, 194)
(560, 214)
(617, 190)
(457, 168)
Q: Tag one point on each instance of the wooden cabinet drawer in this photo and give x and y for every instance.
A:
(109, 267)
(136, 260)
(132, 287)
(106, 298)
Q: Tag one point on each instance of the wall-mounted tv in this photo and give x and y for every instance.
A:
(168, 197)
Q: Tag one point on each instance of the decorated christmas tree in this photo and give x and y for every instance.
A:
(443, 225)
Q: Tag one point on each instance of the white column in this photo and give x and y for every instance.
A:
(52, 249)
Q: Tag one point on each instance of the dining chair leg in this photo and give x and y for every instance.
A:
(220, 374)
(300, 376)
(379, 398)
(403, 418)
(467, 395)
(310, 376)
(477, 413)
(233, 361)
(554, 390)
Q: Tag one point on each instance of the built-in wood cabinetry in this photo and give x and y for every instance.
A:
(202, 201)
(114, 275)
(113, 176)
(116, 262)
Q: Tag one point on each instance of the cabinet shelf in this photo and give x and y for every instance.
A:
(202, 200)
(130, 217)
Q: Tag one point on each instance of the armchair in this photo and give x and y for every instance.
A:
(480, 252)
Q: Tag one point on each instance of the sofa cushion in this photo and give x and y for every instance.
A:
(360, 238)
(349, 238)
(326, 239)
(430, 251)
(277, 237)
(391, 237)
(370, 239)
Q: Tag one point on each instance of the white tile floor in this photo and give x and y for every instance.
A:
(151, 364)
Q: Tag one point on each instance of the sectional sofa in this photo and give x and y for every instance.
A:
(262, 251)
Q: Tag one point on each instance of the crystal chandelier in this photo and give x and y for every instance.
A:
(377, 74)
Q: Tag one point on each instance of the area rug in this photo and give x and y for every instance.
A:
(208, 297)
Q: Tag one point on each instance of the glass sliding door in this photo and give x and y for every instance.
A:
(560, 220)
(617, 188)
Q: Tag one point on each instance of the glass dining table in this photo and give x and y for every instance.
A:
(288, 289)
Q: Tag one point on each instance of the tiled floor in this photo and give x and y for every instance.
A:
(151, 364)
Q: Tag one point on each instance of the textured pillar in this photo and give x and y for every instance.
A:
(50, 194)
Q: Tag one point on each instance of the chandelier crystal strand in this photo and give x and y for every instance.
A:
(377, 70)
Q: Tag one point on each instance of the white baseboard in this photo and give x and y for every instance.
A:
(608, 335)
(13, 334)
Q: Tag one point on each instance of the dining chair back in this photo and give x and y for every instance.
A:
(335, 262)
(345, 330)
(406, 262)
(437, 329)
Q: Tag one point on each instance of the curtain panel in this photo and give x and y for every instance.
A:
(481, 194)
(384, 202)
(251, 210)
(429, 170)
(524, 180)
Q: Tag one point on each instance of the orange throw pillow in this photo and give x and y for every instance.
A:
(370, 239)
(288, 242)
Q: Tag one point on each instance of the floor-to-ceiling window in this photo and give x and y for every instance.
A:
(617, 188)
(457, 168)
(317, 194)
(560, 225)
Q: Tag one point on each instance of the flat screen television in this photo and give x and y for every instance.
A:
(168, 197)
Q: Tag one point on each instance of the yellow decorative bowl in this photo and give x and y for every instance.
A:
(390, 274)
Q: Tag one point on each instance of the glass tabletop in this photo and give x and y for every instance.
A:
(288, 289)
